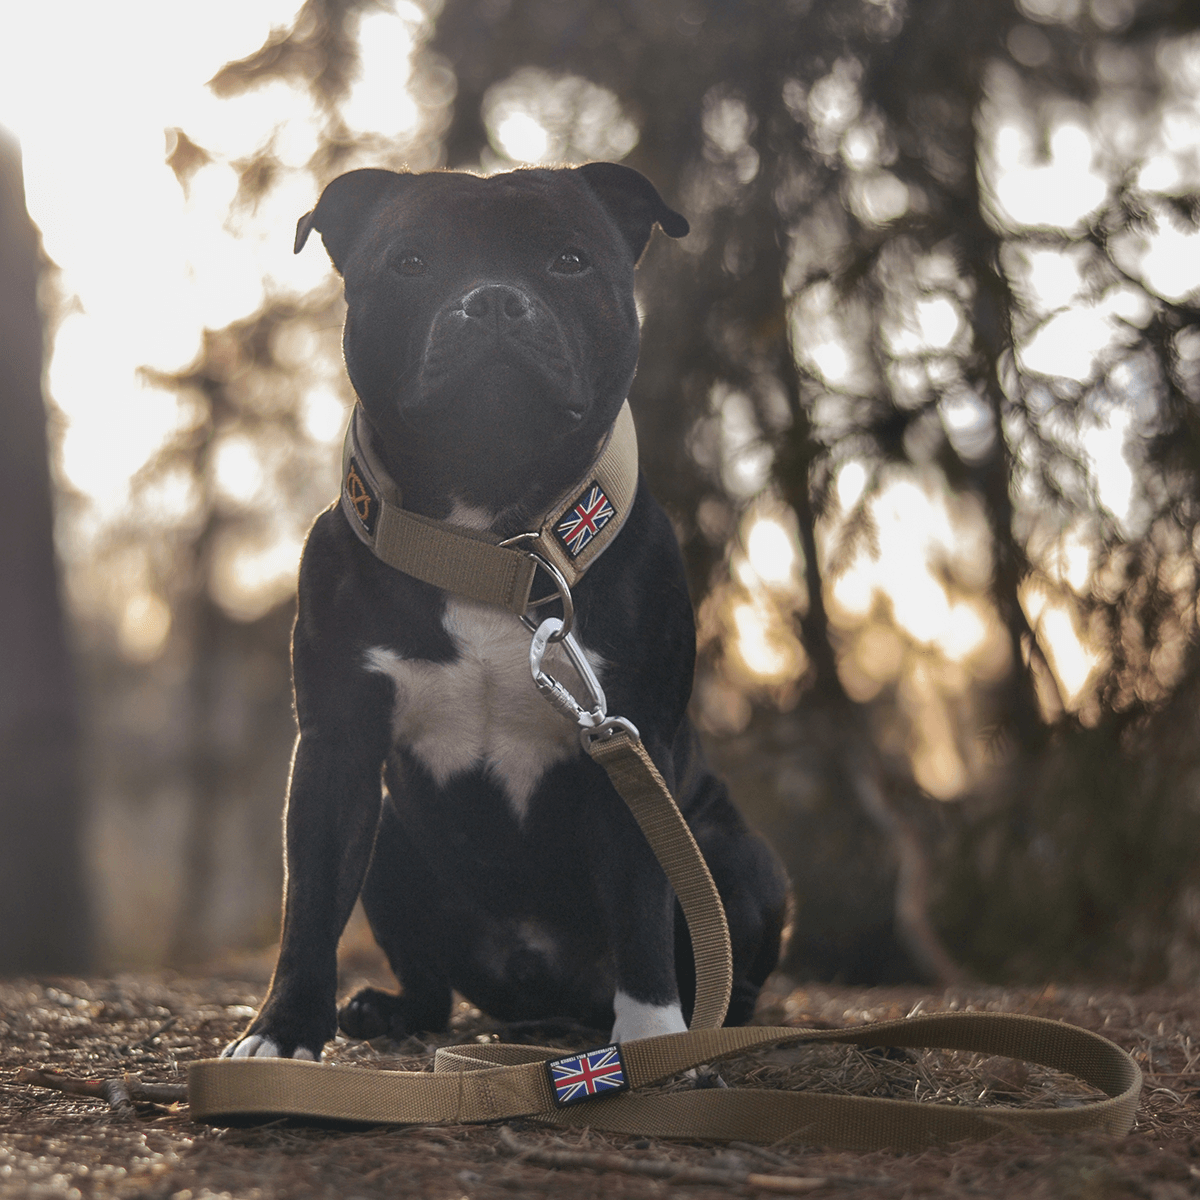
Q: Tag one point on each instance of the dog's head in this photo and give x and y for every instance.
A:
(490, 320)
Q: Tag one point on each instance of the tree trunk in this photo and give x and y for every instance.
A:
(45, 920)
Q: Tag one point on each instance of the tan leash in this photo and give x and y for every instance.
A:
(472, 1084)
(640, 785)
(599, 1088)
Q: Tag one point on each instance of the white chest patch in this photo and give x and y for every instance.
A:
(482, 710)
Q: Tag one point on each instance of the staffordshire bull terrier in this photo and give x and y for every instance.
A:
(491, 336)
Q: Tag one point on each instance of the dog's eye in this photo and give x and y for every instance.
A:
(571, 262)
(407, 264)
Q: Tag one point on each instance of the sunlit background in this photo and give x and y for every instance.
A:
(167, 192)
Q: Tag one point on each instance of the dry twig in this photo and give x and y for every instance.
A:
(119, 1091)
(156, 1033)
(762, 1152)
(662, 1168)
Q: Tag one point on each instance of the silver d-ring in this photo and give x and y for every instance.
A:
(563, 589)
(564, 594)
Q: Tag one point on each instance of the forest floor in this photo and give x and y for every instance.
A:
(76, 1147)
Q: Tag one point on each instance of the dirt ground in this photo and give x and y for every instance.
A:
(54, 1144)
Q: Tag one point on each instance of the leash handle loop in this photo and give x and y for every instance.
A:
(499, 1081)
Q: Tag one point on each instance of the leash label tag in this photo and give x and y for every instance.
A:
(362, 499)
(591, 1073)
(584, 519)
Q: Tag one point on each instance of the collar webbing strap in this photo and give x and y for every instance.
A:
(576, 530)
(498, 1082)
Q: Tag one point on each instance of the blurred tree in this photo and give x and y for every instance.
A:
(252, 475)
(856, 293)
(925, 328)
(256, 477)
(713, 90)
(45, 915)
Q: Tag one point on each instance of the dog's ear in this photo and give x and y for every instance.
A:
(633, 202)
(342, 209)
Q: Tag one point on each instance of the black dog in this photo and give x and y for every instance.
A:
(491, 336)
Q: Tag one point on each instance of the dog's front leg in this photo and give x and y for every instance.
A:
(638, 907)
(333, 809)
(646, 999)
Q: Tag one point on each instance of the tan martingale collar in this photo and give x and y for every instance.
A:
(576, 530)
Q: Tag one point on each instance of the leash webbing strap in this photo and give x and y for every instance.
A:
(474, 565)
(497, 1082)
(494, 1082)
(643, 789)
(480, 1083)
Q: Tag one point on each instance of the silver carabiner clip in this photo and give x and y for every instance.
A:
(594, 723)
(550, 630)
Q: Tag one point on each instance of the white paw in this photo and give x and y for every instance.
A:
(636, 1019)
(256, 1046)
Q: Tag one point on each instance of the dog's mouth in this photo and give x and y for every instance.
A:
(493, 375)
(488, 450)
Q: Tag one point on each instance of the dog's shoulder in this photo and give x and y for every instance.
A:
(636, 613)
(349, 601)
(645, 557)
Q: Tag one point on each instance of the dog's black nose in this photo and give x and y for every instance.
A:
(498, 302)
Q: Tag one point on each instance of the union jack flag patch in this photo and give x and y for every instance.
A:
(592, 1073)
(584, 519)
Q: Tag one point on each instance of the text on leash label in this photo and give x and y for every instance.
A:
(579, 1077)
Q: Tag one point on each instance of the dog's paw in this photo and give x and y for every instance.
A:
(742, 1001)
(371, 1013)
(704, 1077)
(256, 1045)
